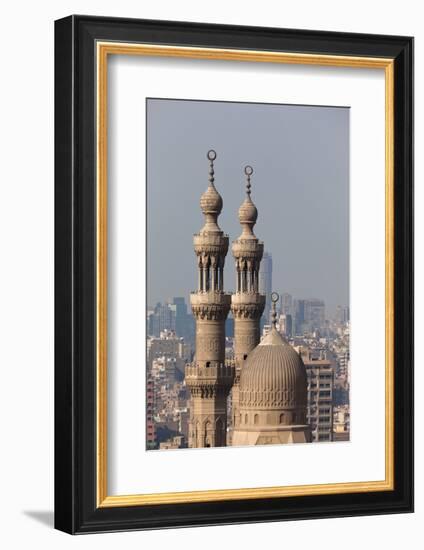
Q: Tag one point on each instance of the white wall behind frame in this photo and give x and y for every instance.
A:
(132, 79)
(26, 320)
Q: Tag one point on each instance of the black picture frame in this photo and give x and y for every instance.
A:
(76, 510)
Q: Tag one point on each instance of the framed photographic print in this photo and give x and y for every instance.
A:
(233, 274)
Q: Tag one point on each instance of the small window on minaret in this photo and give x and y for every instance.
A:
(208, 364)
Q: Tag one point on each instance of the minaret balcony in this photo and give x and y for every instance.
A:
(210, 243)
(216, 373)
(247, 249)
(245, 298)
(210, 297)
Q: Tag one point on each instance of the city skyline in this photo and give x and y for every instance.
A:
(309, 262)
(329, 316)
(214, 381)
(297, 316)
(170, 301)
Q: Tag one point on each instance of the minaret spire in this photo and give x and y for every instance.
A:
(247, 304)
(211, 156)
(248, 170)
(274, 299)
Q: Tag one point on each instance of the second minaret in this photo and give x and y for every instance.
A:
(247, 304)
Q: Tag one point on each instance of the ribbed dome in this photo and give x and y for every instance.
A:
(248, 213)
(274, 376)
(211, 201)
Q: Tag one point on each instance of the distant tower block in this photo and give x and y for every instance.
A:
(247, 304)
(265, 284)
(208, 377)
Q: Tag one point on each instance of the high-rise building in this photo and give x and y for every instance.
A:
(314, 314)
(161, 318)
(209, 378)
(320, 375)
(265, 284)
(247, 304)
(309, 315)
(151, 440)
(180, 315)
(299, 316)
(286, 325)
(184, 323)
(342, 315)
(286, 307)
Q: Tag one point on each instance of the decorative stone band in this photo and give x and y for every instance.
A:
(270, 420)
(247, 311)
(210, 381)
(210, 306)
(211, 373)
(272, 399)
(247, 249)
(247, 305)
(210, 313)
(213, 240)
(208, 391)
(210, 250)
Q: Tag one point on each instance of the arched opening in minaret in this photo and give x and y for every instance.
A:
(208, 434)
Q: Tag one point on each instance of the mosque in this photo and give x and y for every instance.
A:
(267, 379)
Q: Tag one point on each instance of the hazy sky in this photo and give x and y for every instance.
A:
(300, 186)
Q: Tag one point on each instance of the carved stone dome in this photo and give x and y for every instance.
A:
(248, 213)
(211, 201)
(273, 377)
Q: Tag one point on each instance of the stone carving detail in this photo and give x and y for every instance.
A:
(210, 312)
(206, 391)
(205, 251)
(247, 311)
(270, 399)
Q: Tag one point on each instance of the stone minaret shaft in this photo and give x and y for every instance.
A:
(208, 377)
(247, 304)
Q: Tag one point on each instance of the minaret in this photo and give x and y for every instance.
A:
(208, 377)
(247, 304)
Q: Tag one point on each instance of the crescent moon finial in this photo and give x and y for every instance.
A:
(248, 170)
(211, 155)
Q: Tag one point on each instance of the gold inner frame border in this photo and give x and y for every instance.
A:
(103, 50)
